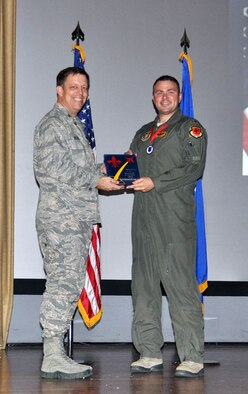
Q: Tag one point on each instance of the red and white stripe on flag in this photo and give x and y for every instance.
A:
(89, 303)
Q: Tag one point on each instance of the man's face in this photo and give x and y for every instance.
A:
(74, 93)
(166, 98)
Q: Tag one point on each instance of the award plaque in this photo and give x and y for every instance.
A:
(122, 168)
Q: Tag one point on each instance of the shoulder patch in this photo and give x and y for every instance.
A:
(196, 131)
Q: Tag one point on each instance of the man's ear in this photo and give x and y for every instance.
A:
(59, 90)
(180, 97)
(154, 106)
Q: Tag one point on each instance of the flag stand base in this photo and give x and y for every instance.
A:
(69, 343)
(69, 347)
(211, 363)
(206, 363)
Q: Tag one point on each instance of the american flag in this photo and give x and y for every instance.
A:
(89, 303)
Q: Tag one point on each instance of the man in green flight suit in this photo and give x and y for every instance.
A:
(171, 154)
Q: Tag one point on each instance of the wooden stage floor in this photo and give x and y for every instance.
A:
(20, 371)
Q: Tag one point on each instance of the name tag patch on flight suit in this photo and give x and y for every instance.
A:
(148, 134)
(162, 134)
(195, 131)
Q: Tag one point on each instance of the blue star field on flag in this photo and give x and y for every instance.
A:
(85, 113)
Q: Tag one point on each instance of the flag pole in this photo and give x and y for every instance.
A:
(89, 302)
(185, 43)
(77, 35)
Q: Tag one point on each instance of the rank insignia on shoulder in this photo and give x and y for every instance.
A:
(195, 131)
(146, 136)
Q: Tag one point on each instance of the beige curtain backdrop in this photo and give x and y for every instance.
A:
(7, 115)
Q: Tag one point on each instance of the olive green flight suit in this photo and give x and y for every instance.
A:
(164, 237)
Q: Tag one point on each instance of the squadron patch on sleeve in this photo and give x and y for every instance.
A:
(195, 131)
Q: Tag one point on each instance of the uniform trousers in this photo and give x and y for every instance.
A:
(176, 272)
(64, 241)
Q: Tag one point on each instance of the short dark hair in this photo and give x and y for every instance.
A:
(63, 74)
(167, 78)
